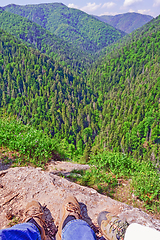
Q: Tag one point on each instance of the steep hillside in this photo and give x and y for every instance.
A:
(129, 80)
(107, 109)
(109, 118)
(37, 37)
(72, 25)
(133, 49)
(26, 74)
(127, 22)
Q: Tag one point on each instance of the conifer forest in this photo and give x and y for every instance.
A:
(84, 91)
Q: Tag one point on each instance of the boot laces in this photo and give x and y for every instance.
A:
(33, 212)
(70, 207)
(119, 228)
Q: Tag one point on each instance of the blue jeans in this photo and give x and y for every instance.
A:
(25, 231)
(75, 229)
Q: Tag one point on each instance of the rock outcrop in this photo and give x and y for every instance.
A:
(20, 185)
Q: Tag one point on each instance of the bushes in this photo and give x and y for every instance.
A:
(108, 167)
(147, 183)
(28, 141)
(117, 163)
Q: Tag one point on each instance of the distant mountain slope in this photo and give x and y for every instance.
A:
(72, 25)
(136, 49)
(129, 81)
(116, 107)
(127, 22)
(40, 38)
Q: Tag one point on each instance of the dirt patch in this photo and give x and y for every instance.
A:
(64, 168)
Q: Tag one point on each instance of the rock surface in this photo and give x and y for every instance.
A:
(20, 185)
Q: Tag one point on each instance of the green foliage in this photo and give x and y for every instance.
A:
(117, 163)
(108, 167)
(128, 80)
(37, 146)
(114, 107)
(127, 58)
(146, 183)
(74, 26)
(39, 38)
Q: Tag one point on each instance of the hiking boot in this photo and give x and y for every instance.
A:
(113, 228)
(34, 214)
(70, 210)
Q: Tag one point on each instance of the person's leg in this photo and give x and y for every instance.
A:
(24, 231)
(78, 230)
(71, 225)
(31, 229)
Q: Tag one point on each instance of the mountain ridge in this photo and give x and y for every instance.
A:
(92, 34)
(39, 38)
(89, 94)
(107, 116)
(127, 22)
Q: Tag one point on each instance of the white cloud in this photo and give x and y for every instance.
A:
(156, 3)
(109, 13)
(91, 7)
(131, 10)
(130, 2)
(145, 11)
(109, 5)
(72, 5)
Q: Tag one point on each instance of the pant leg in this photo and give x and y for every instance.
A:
(24, 231)
(78, 230)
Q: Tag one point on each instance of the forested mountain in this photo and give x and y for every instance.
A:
(37, 37)
(116, 107)
(136, 43)
(127, 22)
(72, 25)
(54, 104)
(129, 82)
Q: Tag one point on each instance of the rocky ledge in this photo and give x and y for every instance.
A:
(21, 184)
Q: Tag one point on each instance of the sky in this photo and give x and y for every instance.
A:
(101, 7)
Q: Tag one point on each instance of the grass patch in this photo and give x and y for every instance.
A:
(14, 221)
(110, 171)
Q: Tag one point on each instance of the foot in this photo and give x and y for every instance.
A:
(34, 214)
(70, 210)
(113, 228)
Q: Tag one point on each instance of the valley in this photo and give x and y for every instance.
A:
(73, 87)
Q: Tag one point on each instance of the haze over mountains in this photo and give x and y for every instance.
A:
(127, 22)
(90, 87)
